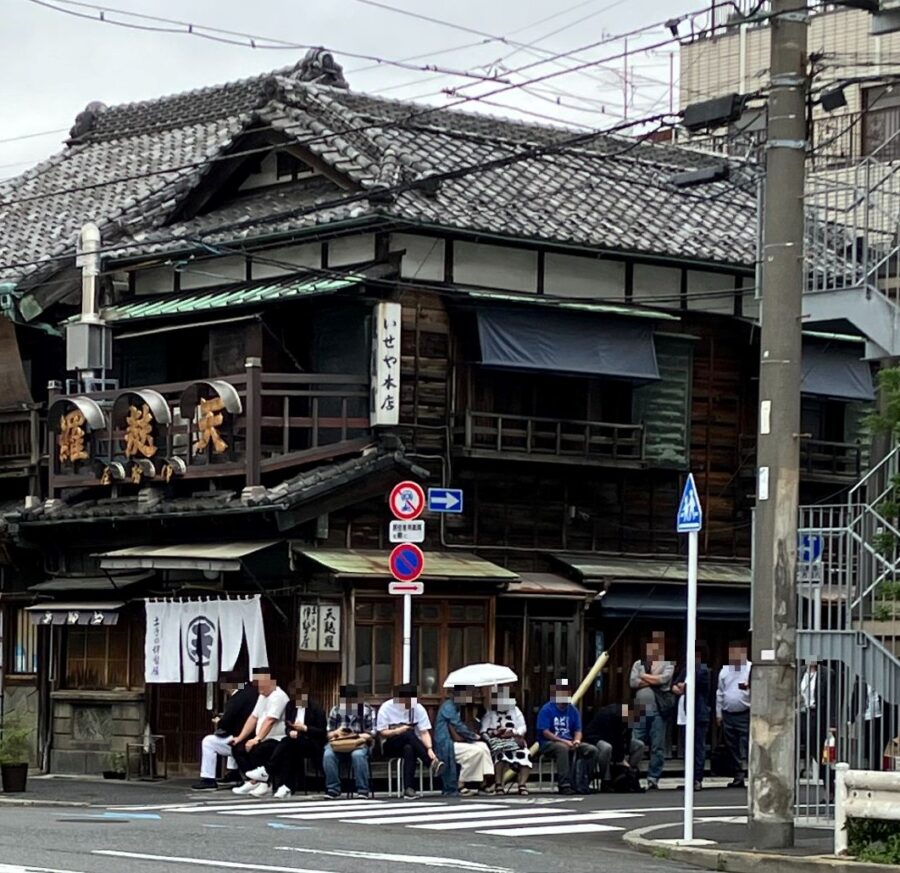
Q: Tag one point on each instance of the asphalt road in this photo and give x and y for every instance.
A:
(542, 833)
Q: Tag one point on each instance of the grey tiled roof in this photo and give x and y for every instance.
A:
(132, 165)
(302, 488)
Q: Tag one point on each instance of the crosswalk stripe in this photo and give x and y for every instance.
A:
(365, 806)
(412, 811)
(500, 822)
(550, 830)
(286, 805)
(469, 814)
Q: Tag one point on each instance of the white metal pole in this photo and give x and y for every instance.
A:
(407, 634)
(690, 677)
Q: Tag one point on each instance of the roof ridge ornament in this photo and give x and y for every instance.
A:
(319, 67)
(86, 121)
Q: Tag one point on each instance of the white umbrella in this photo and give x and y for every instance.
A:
(480, 676)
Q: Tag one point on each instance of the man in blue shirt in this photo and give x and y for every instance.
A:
(559, 735)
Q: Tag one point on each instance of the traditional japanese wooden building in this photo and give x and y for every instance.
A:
(304, 295)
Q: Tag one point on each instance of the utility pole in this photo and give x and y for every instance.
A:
(774, 683)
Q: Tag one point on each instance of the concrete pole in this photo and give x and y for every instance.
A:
(774, 682)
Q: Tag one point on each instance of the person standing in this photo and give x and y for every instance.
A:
(238, 708)
(559, 735)
(404, 729)
(733, 708)
(701, 710)
(304, 741)
(260, 736)
(651, 680)
(351, 733)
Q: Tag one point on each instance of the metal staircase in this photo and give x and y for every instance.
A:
(853, 248)
(848, 624)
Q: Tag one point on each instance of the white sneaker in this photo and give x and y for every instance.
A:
(261, 790)
(260, 774)
(246, 788)
(283, 793)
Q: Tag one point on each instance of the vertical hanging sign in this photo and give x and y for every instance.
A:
(386, 365)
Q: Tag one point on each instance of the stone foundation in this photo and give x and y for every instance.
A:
(90, 727)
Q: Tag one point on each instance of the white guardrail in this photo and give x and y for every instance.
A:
(863, 794)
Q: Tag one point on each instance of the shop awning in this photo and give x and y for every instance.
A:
(366, 564)
(91, 614)
(214, 557)
(597, 569)
(670, 601)
(232, 297)
(105, 584)
(836, 370)
(566, 342)
(548, 585)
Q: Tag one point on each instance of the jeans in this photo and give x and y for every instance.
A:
(737, 737)
(359, 761)
(651, 731)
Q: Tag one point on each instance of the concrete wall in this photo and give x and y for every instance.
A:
(91, 726)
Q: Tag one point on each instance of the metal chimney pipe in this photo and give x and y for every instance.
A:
(89, 260)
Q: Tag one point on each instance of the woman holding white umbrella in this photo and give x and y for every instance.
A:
(466, 759)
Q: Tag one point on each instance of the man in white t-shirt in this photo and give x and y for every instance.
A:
(260, 737)
(404, 729)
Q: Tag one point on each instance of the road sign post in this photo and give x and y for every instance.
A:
(407, 563)
(690, 520)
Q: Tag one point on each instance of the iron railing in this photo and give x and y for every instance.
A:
(822, 460)
(848, 637)
(538, 438)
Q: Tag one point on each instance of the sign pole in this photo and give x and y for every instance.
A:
(407, 635)
(691, 680)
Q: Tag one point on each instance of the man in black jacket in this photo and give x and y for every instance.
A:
(238, 707)
(610, 725)
(304, 740)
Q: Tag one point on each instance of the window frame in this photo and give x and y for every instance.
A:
(15, 618)
(443, 622)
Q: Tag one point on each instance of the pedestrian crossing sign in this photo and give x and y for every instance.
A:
(690, 515)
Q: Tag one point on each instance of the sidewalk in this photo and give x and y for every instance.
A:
(728, 849)
(96, 791)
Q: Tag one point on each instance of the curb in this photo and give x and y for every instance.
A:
(15, 801)
(736, 861)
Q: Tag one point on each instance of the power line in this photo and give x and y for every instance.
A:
(231, 37)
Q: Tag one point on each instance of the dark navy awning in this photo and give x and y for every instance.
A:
(836, 370)
(670, 601)
(567, 342)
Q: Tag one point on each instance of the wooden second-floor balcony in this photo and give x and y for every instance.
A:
(21, 441)
(820, 460)
(245, 425)
(549, 440)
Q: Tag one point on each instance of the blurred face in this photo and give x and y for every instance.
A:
(229, 686)
(561, 695)
(737, 655)
(463, 696)
(265, 683)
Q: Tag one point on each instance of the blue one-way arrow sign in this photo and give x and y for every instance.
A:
(445, 499)
(690, 515)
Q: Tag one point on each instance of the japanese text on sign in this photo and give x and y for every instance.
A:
(386, 364)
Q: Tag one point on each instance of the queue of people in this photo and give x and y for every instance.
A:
(270, 737)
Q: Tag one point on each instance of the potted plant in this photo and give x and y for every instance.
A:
(14, 754)
(116, 763)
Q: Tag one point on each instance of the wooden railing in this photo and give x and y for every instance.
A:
(285, 419)
(489, 433)
(20, 437)
(819, 459)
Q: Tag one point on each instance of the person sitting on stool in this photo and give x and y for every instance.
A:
(351, 731)
(305, 740)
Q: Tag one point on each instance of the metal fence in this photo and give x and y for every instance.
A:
(848, 619)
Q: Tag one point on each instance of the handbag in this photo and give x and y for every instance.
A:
(347, 744)
(666, 701)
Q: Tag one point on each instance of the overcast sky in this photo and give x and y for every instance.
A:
(53, 63)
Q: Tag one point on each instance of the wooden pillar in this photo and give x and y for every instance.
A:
(253, 417)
